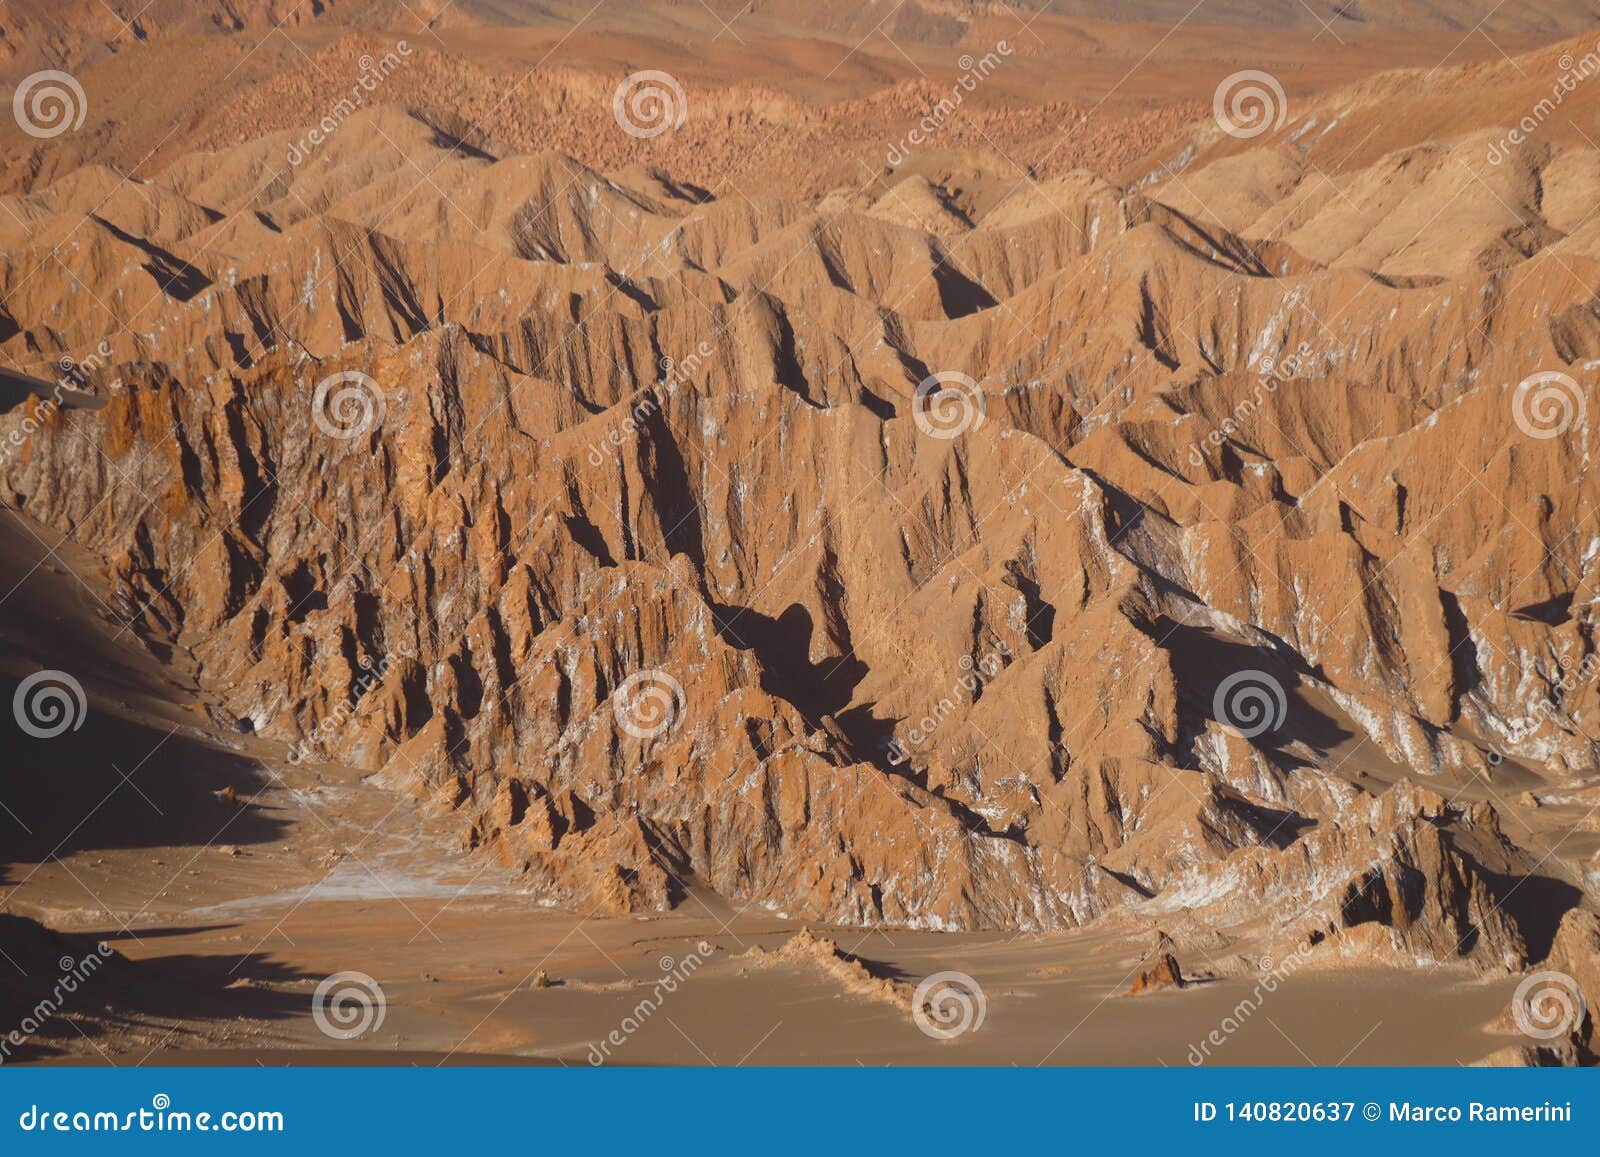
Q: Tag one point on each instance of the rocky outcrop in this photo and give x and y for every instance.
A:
(1159, 970)
(808, 951)
(945, 561)
(1553, 1008)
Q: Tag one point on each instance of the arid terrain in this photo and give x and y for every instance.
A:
(923, 533)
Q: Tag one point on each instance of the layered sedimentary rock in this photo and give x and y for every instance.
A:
(941, 555)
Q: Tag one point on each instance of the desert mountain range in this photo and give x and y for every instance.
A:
(1091, 511)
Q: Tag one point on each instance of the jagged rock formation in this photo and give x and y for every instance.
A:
(819, 954)
(1160, 969)
(634, 533)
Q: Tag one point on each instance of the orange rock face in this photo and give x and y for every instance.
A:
(964, 551)
(1161, 973)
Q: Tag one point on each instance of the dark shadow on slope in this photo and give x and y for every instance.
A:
(959, 295)
(70, 987)
(1553, 612)
(783, 646)
(665, 473)
(84, 766)
(22, 389)
(1257, 680)
(1277, 827)
(1535, 903)
(176, 277)
(821, 691)
(115, 783)
(1465, 671)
